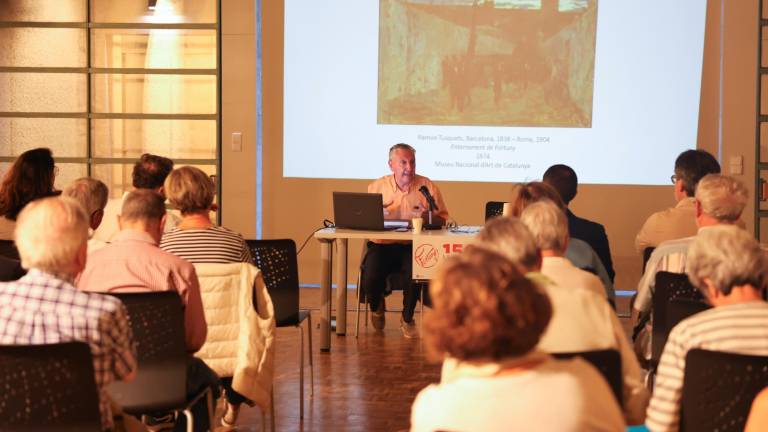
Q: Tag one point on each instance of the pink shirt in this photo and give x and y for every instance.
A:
(134, 263)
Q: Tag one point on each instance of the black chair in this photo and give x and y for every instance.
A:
(493, 209)
(668, 287)
(647, 252)
(8, 249)
(10, 269)
(277, 261)
(718, 389)
(48, 388)
(157, 322)
(607, 362)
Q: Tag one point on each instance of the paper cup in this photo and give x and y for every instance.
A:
(417, 224)
(506, 210)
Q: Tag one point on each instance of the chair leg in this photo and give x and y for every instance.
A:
(357, 315)
(421, 311)
(191, 420)
(272, 408)
(211, 408)
(301, 374)
(311, 365)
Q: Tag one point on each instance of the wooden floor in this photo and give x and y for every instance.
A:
(363, 384)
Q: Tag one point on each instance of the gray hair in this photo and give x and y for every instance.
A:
(143, 205)
(49, 234)
(510, 237)
(722, 197)
(728, 256)
(92, 194)
(401, 146)
(548, 225)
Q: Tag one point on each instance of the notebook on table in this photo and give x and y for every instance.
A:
(362, 211)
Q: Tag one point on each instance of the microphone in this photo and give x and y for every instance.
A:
(430, 199)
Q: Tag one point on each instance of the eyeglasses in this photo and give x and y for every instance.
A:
(674, 179)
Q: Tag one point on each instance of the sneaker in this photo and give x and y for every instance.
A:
(409, 329)
(377, 317)
(230, 417)
(159, 423)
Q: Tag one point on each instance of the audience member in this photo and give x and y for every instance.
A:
(92, 195)
(45, 307)
(197, 239)
(579, 253)
(563, 179)
(30, 177)
(390, 260)
(678, 221)
(489, 318)
(149, 172)
(719, 200)
(581, 318)
(728, 266)
(134, 263)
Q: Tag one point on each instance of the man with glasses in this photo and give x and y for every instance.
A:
(680, 220)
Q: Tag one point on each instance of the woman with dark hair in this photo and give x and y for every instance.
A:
(31, 177)
(489, 318)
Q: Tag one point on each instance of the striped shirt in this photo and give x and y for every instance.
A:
(210, 245)
(739, 328)
(41, 309)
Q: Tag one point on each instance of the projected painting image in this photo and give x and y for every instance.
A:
(487, 62)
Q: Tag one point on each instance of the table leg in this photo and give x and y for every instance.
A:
(341, 286)
(325, 294)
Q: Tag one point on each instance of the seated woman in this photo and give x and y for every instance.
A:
(198, 240)
(31, 177)
(579, 252)
(489, 318)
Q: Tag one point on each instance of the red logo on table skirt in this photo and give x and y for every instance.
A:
(426, 255)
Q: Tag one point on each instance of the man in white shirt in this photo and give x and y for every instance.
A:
(582, 318)
(149, 172)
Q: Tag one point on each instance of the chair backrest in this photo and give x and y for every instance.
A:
(607, 362)
(668, 287)
(8, 249)
(647, 252)
(157, 322)
(277, 261)
(718, 389)
(493, 209)
(680, 309)
(48, 388)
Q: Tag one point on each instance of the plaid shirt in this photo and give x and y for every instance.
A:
(42, 309)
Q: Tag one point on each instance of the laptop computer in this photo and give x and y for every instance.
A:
(362, 211)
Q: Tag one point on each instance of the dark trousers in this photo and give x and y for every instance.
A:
(389, 263)
(199, 376)
(233, 397)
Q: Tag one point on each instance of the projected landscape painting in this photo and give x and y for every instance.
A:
(487, 62)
